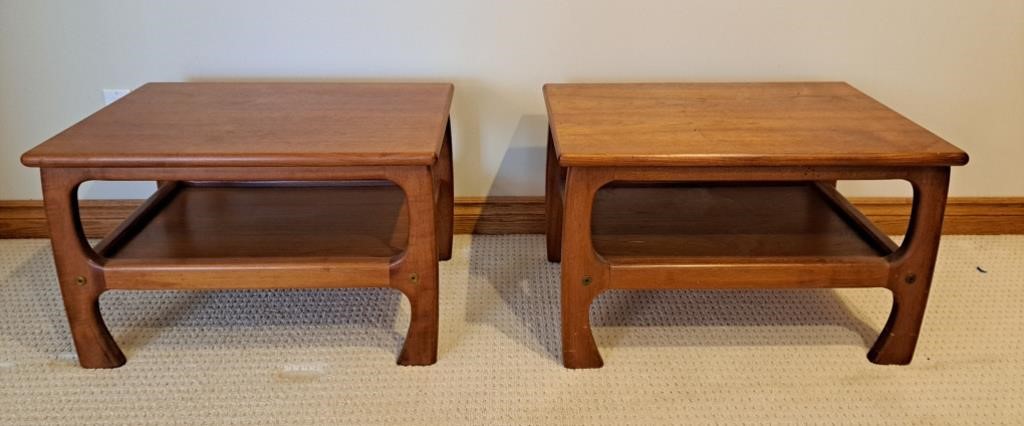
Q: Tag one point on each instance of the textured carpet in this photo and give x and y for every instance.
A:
(670, 357)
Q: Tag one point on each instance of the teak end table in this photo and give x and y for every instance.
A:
(725, 186)
(279, 185)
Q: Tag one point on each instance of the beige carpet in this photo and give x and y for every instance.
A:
(670, 357)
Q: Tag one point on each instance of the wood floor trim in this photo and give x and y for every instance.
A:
(525, 215)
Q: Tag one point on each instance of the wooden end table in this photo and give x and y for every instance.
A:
(259, 186)
(724, 186)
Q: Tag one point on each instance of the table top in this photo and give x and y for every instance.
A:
(257, 124)
(735, 124)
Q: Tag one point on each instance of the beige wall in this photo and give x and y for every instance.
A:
(954, 66)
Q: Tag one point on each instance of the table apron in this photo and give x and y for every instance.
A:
(791, 173)
(742, 274)
(239, 173)
(226, 274)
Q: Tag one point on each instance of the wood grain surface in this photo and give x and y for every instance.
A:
(735, 124)
(751, 220)
(257, 124)
(215, 221)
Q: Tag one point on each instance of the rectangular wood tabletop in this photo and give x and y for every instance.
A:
(735, 124)
(257, 124)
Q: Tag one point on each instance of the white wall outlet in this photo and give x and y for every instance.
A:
(111, 95)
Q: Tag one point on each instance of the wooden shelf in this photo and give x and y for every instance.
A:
(695, 223)
(261, 221)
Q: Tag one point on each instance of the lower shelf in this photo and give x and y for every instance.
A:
(688, 223)
(216, 221)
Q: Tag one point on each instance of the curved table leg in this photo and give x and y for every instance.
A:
(583, 275)
(81, 281)
(911, 271)
(416, 273)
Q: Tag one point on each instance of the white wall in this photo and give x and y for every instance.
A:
(954, 66)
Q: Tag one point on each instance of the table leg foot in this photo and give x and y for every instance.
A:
(420, 346)
(95, 346)
(896, 343)
(579, 350)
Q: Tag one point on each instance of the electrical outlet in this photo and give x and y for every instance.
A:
(111, 95)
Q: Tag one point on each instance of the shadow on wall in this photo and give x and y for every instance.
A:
(504, 209)
(522, 166)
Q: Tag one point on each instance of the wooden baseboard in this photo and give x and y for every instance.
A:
(964, 215)
(525, 215)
